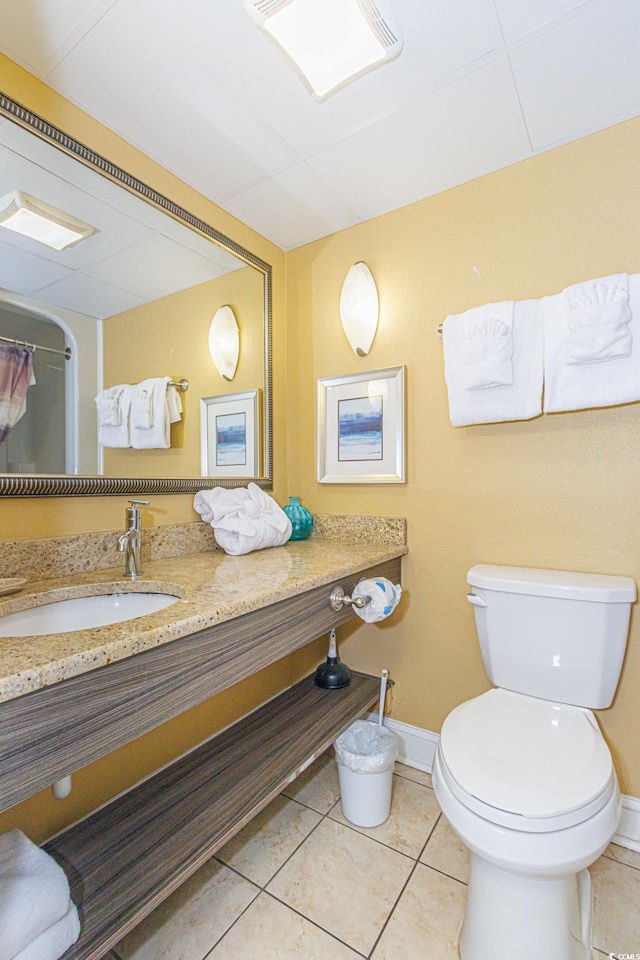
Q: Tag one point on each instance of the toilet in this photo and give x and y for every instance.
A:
(522, 773)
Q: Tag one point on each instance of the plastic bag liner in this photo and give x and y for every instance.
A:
(366, 747)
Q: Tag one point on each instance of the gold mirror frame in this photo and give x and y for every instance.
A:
(60, 486)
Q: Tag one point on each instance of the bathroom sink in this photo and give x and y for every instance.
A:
(82, 613)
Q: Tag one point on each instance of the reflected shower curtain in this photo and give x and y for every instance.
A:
(16, 376)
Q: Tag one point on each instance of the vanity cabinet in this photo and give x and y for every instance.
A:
(125, 858)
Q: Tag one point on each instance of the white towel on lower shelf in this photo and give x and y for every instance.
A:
(571, 385)
(55, 941)
(113, 416)
(515, 392)
(34, 893)
(243, 519)
(150, 420)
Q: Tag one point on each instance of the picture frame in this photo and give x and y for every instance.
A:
(361, 427)
(230, 435)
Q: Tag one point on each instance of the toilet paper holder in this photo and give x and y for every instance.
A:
(338, 599)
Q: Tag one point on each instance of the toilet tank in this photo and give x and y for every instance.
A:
(550, 633)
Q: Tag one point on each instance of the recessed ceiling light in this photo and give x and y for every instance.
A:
(331, 42)
(40, 221)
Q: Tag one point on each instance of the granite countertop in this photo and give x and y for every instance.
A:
(212, 588)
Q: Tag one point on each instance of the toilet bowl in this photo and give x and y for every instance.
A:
(526, 782)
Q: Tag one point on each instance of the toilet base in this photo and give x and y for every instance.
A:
(509, 915)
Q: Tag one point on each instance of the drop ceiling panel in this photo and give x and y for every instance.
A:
(464, 130)
(581, 76)
(164, 103)
(518, 17)
(293, 207)
(224, 260)
(36, 28)
(24, 273)
(88, 296)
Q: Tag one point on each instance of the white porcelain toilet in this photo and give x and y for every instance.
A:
(522, 773)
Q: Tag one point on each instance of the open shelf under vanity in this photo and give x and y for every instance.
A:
(127, 857)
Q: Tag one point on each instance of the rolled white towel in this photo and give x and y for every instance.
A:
(56, 940)
(34, 893)
(243, 519)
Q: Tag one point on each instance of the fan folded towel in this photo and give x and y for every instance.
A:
(607, 372)
(493, 363)
(152, 413)
(55, 941)
(243, 519)
(381, 595)
(113, 415)
(597, 317)
(34, 893)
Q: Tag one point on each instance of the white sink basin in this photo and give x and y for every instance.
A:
(82, 613)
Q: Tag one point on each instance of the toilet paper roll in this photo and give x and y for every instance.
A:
(383, 597)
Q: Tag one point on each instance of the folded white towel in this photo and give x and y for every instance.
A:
(243, 519)
(488, 346)
(573, 385)
(56, 940)
(113, 416)
(150, 423)
(598, 317)
(515, 393)
(34, 893)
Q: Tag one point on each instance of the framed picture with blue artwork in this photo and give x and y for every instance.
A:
(361, 427)
(229, 435)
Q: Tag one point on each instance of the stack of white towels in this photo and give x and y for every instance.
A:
(243, 519)
(38, 920)
(138, 416)
(581, 346)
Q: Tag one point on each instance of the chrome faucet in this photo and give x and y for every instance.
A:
(130, 542)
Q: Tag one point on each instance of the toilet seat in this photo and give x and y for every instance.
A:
(528, 764)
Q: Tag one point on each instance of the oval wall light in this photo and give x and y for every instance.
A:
(224, 342)
(359, 308)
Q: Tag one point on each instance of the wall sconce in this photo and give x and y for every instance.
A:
(359, 308)
(224, 342)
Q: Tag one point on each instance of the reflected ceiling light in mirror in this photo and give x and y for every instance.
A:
(224, 342)
(331, 42)
(359, 308)
(39, 221)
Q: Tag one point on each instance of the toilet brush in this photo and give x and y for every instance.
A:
(332, 674)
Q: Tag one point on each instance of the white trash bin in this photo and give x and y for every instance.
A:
(366, 753)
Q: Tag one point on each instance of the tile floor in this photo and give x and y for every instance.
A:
(300, 881)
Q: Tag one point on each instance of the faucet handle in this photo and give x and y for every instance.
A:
(144, 502)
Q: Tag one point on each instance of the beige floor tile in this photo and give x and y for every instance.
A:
(190, 921)
(317, 787)
(445, 852)
(270, 931)
(418, 776)
(414, 811)
(343, 881)
(623, 855)
(426, 922)
(616, 922)
(260, 849)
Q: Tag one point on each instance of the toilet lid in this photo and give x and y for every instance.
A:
(529, 757)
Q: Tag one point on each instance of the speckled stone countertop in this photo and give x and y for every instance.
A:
(212, 588)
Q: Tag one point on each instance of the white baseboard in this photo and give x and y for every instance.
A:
(418, 749)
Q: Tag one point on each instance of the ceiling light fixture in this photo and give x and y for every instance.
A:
(39, 221)
(331, 42)
(224, 342)
(359, 308)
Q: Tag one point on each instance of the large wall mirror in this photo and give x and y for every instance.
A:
(132, 302)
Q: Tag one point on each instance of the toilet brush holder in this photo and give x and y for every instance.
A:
(333, 674)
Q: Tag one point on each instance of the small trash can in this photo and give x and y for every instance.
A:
(365, 753)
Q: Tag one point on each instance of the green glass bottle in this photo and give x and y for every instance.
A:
(301, 519)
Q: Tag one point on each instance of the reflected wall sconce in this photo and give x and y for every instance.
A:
(359, 308)
(39, 221)
(330, 42)
(224, 342)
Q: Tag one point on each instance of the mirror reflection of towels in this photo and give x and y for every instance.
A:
(16, 376)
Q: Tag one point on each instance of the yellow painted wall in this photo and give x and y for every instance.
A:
(169, 337)
(41, 816)
(560, 491)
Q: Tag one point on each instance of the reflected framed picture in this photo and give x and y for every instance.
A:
(361, 427)
(229, 435)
